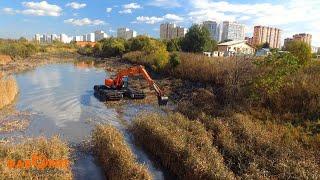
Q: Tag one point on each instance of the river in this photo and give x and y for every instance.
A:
(61, 101)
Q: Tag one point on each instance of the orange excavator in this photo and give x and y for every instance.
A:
(117, 88)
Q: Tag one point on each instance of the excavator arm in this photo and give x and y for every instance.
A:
(133, 71)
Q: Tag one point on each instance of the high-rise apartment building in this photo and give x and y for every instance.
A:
(232, 31)
(249, 40)
(307, 38)
(78, 38)
(90, 37)
(214, 29)
(54, 37)
(64, 38)
(264, 34)
(171, 31)
(99, 35)
(126, 33)
(37, 38)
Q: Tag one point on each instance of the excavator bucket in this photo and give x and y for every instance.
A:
(162, 100)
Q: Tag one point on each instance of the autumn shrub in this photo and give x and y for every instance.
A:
(52, 150)
(255, 149)
(230, 77)
(115, 156)
(200, 101)
(186, 147)
(300, 94)
(8, 90)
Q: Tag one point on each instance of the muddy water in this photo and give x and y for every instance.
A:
(60, 98)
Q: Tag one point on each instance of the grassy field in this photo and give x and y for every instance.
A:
(116, 158)
(35, 159)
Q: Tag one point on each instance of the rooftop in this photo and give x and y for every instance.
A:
(230, 43)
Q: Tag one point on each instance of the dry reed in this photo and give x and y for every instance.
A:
(186, 147)
(115, 156)
(8, 90)
(52, 149)
(254, 149)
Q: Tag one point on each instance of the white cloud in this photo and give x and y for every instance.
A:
(84, 22)
(154, 19)
(125, 11)
(108, 10)
(75, 5)
(165, 3)
(173, 17)
(149, 20)
(132, 6)
(128, 8)
(8, 11)
(42, 8)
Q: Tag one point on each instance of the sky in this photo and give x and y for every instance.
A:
(26, 18)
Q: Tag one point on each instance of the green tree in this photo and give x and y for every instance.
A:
(156, 54)
(112, 47)
(174, 60)
(138, 43)
(197, 39)
(301, 50)
(174, 44)
(97, 49)
(274, 68)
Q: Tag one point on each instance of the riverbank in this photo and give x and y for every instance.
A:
(18, 65)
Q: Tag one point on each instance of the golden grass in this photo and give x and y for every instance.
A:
(13, 125)
(182, 146)
(115, 156)
(254, 149)
(8, 90)
(5, 59)
(53, 149)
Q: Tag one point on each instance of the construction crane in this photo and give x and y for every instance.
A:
(117, 88)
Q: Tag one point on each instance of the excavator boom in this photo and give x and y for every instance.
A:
(118, 82)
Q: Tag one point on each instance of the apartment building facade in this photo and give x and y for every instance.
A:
(264, 34)
(170, 31)
(126, 33)
(232, 31)
(99, 35)
(307, 38)
(214, 28)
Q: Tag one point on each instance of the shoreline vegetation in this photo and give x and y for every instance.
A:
(8, 90)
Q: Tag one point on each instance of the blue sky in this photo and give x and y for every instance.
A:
(25, 18)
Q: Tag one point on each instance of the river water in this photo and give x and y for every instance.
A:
(61, 101)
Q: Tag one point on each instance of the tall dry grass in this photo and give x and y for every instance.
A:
(254, 149)
(5, 59)
(115, 156)
(53, 149)
(230, 77)
(8, 90)
(300, 96)
(182, 146)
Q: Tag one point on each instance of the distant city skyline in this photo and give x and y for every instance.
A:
(26, 18)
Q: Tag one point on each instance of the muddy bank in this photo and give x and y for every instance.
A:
(19, 65)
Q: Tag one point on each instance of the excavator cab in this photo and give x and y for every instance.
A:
(163, 100)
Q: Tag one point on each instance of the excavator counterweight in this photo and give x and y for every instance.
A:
(117, 88)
